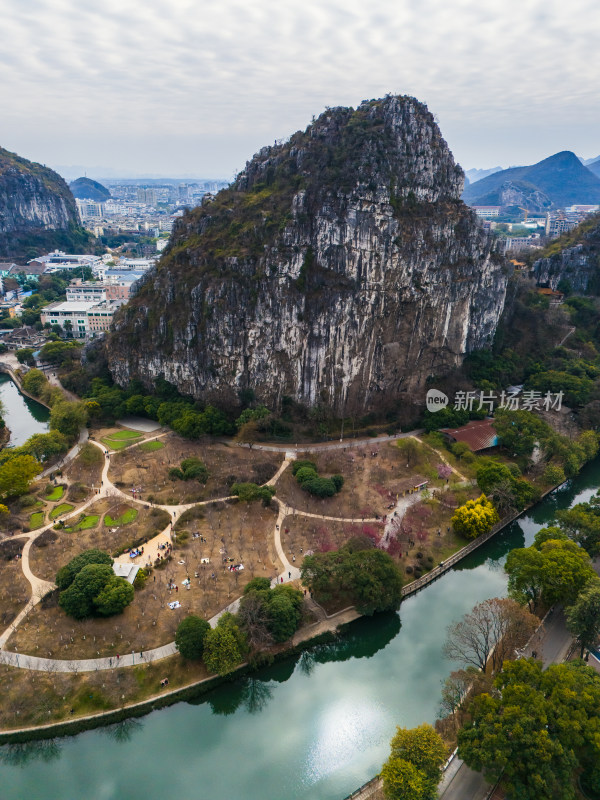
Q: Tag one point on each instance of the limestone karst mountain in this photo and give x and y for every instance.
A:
(341, 267)
(37, 210)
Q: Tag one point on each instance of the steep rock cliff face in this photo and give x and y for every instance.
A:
(341, 268)
(37, 209)
(578, 264)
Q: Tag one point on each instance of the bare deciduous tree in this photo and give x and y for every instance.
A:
(493, 629)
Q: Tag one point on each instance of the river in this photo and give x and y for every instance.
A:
(313, 728)
(23, 416)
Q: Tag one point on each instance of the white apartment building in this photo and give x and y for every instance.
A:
(74, 312)
(487, 211)
(57, 260)
(87, 318)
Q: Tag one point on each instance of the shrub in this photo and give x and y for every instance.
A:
(251, 491)
(305, 474)
(140, 579)
(338, 482)
(298, 465)
(320, 487)
(190, 469)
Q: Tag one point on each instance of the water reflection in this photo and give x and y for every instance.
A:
(123, 731)
(18, 755)
(22, 415)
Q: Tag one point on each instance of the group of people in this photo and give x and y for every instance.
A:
(138, 551)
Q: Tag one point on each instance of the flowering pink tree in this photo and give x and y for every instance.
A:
(444, 471)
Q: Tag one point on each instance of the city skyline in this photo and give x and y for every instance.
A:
(194, 90)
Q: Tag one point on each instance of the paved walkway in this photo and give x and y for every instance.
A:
(40, 588)
(342, 445)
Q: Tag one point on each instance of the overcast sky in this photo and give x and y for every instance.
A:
(195, 87)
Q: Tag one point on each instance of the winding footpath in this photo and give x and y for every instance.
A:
(40, 588)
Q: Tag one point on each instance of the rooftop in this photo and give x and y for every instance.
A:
(479, 434)
(70, 305)
(127, 571)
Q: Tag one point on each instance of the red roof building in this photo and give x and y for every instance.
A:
(479, 434)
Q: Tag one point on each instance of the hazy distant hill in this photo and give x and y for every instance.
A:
(594, 167)
(475, 175)
(557, 181)
(87, 189)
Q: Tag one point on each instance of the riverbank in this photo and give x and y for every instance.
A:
(303, 639)
(308, 729)
(324, 631)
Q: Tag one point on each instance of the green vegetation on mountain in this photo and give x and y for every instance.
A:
(37, 209)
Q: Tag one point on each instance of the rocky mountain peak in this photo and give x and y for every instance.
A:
(340, 267)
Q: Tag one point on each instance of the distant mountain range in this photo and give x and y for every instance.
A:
(594, 166)
(474, 175)
(558, 181)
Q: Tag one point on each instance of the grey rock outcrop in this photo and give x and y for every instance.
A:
(340, 268)
(577, 264)
(37, 209)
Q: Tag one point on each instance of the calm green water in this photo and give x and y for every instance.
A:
(23, 416)
(314, 728)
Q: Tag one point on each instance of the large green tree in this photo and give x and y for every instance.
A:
(224, 646)
(582, 524)
(413, 770)
(16, 474)
(78, 600)
(68, 418)
(66, 574)
(583, 617)
(268, 615)
(190, 635)
(553, 569)
(368, 579)
(536, 730)
(114, 597)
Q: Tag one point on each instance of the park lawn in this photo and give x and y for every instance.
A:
(55, 494)
(119, 435)
(126, 516)
(36, 520)
(63, 508)
(153, 445)
(89, 521)
(116, 444)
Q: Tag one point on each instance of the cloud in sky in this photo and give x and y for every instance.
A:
(197, 86)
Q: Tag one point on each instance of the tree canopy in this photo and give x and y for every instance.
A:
(553, 569)
(224, 646)
(270, 614)
(16, 473)
(413, 769)
(475, 517)
(66, 574)
(536, 730)
(368, 579)
(190, 635)
(583, 617)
